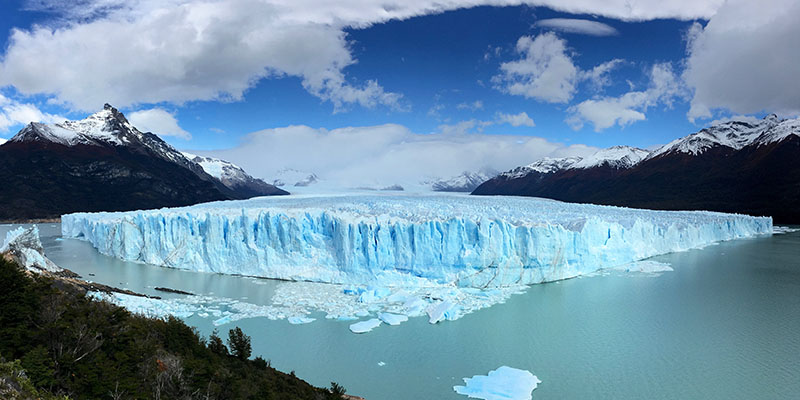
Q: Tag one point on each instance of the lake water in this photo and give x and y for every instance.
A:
(725, 324)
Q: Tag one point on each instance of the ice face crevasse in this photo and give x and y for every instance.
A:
(403, 240)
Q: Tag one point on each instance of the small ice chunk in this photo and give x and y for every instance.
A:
(381, 363)
(438, 312)
(392, 319)
(504, 383)
(415, 306)
(365, 326)
(297, 320)
(647, 267)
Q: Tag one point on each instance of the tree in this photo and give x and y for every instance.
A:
(239, 343)
(337, 390)
(215, 344)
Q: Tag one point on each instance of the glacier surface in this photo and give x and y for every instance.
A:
(397, 240)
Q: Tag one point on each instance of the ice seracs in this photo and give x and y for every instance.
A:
(23, 244)
(394, 240)
(504, 383)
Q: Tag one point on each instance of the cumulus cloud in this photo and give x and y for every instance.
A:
(572, 25)
(605, 112)
(545, 72)
(377, 156)
(129, 52)
(474, 106)
(158, 121)
(746, 59)
(13, 113)
(598, 76)
(515, 120)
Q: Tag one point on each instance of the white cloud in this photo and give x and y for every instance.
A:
(382, 155)
(598, 76)
(515, 120)
(129, 52)
(545, 72)
(605, 112)
(158, 121)
(742, 118)
(582, 26)
(474, 106)
(746, 59)
(464, 127)
(13, 113)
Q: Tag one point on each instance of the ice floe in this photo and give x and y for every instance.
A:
(504, 383)
(365, 326)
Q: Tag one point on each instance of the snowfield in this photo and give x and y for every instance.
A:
(396, 240)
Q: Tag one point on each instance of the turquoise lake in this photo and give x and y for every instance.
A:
(725, 324)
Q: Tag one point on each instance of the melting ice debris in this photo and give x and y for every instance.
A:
(647, 267)
(300, 320)
(401, 240)
(778, 230)
(504, 383)
(365, 326)
(24, 245)
(392, 319)
(381, 363)
(441, 311)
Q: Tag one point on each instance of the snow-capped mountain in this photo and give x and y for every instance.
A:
(289, 177)
(737, 166)
(546, 165)
(617, 157)
(732, 134)
(2, 141)
(100, 163)
(107, 127)
(467, 181)
(234, 177)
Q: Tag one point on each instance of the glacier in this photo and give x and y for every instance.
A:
(403, 240)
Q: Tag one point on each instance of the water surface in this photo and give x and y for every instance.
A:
(723, 325)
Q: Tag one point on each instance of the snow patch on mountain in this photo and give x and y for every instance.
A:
(107, 127)
(733, 134)
(619, 157)
(546, 165)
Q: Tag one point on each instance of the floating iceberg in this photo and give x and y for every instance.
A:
(392, 319)
(504, 383)
(365, 326)
(392, 240)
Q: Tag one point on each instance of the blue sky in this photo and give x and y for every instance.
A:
(211, 75)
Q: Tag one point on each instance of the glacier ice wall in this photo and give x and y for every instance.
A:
(403, 240)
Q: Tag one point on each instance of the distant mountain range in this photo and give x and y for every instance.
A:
(744, 167)
(467, 181)
(103, 163)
